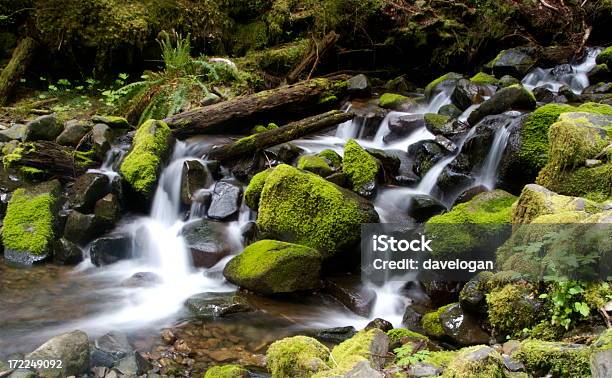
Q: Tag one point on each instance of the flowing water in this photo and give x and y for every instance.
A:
(50, 299)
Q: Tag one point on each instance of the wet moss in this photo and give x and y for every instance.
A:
(314, 164)
(512, 308)
(360, 167)
(558, 359)
(431, 322)
(396, 335)
(297, 356)
(347, 354)
(392, 100)
(432, 86)
(605, 57)
(332, 156)
(463, 366)
(227, 371)
(592, 183)
(253, 190)
(484, 79)
(436, 121)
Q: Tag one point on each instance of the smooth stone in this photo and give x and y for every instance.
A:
(83, 228)
(133, 364)
(44, 127)
(349, 291)
(461, 327)
(71, 348)
(66, 252)
(225, 201)
(87, 190)
(15, 132)
(194, 177)
(420, 369)
(109, 349)
(423, 207)
(359, 85)
(335, 335)
(207, 240)
(110, 249)
(381, 324)
(214, 305)
(74, 131)
(101, 138)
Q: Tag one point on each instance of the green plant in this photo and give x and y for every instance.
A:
(567, 301)
(406, 355)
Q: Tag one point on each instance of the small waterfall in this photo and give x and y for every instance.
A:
(488, 173)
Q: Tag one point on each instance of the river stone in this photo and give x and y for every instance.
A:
(424, 206)
(601, 364)
(508, 80)
(109, 349)
(45, 127)
(461, 327)
(208, 242)
(363, 370)
(110, 249)
(512, 97)
(412, 319)
(71, 348)
(194, 177)
(134, 364)
(225, 201)
(543, 94)
(87, 190)
(405, 125)
(426, 154)
(273, 267)
(381, 324)
(420, 369)
(101, 137)
(445, 83)
(21, 373)
(142, 279)
(214, 305)
(15, 132)
(515, 62)
(82, 228)
(473, 294)
(349, 291)
(567, 92)
(67, 253)
(465, 94)
(359, 85)
(450, 110)
(335, 335)
(74, 131)
(479, 361)
(113, 122)
(108, 209)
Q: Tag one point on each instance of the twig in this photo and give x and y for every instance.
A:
(549, 6)
(314, 65)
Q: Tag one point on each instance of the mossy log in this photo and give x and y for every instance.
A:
(45, 159)
(289, 102)
(294, 130)
(16, 67)
(317, 52)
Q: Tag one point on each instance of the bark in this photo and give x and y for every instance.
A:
(16, 67)
(282, 104)
(294, 130)
(314, 57)
(54, 160)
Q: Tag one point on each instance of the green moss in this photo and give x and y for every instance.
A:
(357, 348)
(227, 371)
(484, 79)
(253, 190)
(512, 308)
(85, 159)
(558, 359)
(13, 155)
(360, 167)
(431, 87)
(596, 294)
(29, 221)
(604, 341)
(431, 322)
(463, 366)
(314, 164)
(605, 57)
(308, 210)
(392, 100)
(258, 129)
(440, 359)
(592, 183)
(332, 156)
(398, 334)
(297, 356)
(251, 36)
(111, 121)
(150, 148)
(547, 332)
(246, 141)
(436, 121)
(270, 266)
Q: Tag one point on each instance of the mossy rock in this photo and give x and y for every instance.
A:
(30, 223)
(277, 60)
(367, 345)
(151, 146)
(332, 156)
(605, 57)
(515, 61)
(473, 226)
(303, 208)
(397, 335)
(253, 190)
(436, 123)
(227, 371)
(431, 323)
(393, 101)
(443, 83)
(113, 122)
(273, 267)
(476, 362)
(297, 357)
(512, 308)
(361, 168)
(314, 164)
(484, 79)
(558, 359)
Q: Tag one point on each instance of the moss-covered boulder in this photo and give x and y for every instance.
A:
(303, 208)
(605, 57)
(512, 97)
(512, 308)
(601, 355)
(431, 323)
(394, 101)
(515, 61)
(472, 226)
(273, 267)
(297, 357)
(332, 156)
(253, 190)
(472, 296)
(30, 223)
(361, 168)
(476, 362)
(444, 83)
(227, 371)
(484, 79)
(314, 164)
(113, 122)
(151, 146)
(558, 359)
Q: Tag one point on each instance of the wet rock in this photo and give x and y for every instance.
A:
(421, 369)
(470, 193)
(449, 180)
(340, 179)
(110, 249)
(399, 85)
(249, 232)
(286, 152)
(111, 121)
(423, 207)
(108, 209)
(438, 124)
(461, 327)
(74, 131)
(508, 80)
(543, 94)
(599, 73)
(225, 201)
(168, 337)
(133, 364)
(83, 228)
(407, 180)
(412, 319)
(194, 177)
(426, 154)
(512, 364)
(473, 294)
(109, 349)
(601, 363)
(465, 94)
(561, 71)
(567, 92)
(513, 97)
(142, 279)
(515, 62)
(15, 132)
(445, 83)
(101, 138)
(87, 190)
(479, 361)
(476, 148)
(389, 159)
(359, 85)
(363, 370)
(214, 305)
(335, 335)
(45, 127)
(67, 253)
(349, 291)
(361, 168)
(380, 324)
(200, 203)
(71, 348)
(446, 144)
(439, 289)
(315, 164)
(207, 240)
(22, 373)
(450, 110)
(405, 125)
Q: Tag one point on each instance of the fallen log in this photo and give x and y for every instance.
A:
(45, 159)
(281, 104)
(294, 130)
(16, 67)
(317, 51)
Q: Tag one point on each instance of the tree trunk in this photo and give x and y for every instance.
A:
(53, 160)
(16, 67)
(289, 132)
(314, 57)
(281, 104)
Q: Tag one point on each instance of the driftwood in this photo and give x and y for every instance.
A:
(294, 130)
(52, 159)
(281, 104)
(317, 51)
(16, 67)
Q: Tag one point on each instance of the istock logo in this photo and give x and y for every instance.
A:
(386, 243)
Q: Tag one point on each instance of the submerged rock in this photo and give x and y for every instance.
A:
(142, 279)
(214, 305)
(71, 348)
(109, 349)
(134, 364)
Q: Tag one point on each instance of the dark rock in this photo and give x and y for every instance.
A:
(412, 319)
(513, 173)
(420, 369)
(44, 127)
(340, 179)
(367, 120)
(567, 92)
(194, 177)
(349, 291)
(508, 80)
(214, 305)
(423, 207)
(444, 84)
(335, 335)
(598, 89)
(142, 279)
(359, 85)
(461, 327)
(512, 364)
(110, 249)
(15, 132)
(600, 73)
(472, 295)
(101, 138)
(515, 62)
(465, 94)
(439, 289)
(450, 110)
(207, 241)
(71, 348)
(399, 85)
(134, 364)
(476, 147)
(450, 180)
(74, 131)
(67, 253)
(111, 121)
(200, 202)
(426, 154)
(543, 94)
(108, 209)
(286, 152)
(390, 162)
(109, 349)
(249, 232)
(513, 97)
(470, 193)
(561, 71)
(5, 197)
(407, 180)
(83, 228)
(380, 324)
(87, 190)
(225, 201)
(446, 143)
(405, 125)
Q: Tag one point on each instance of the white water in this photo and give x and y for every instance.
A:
(488, 173)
